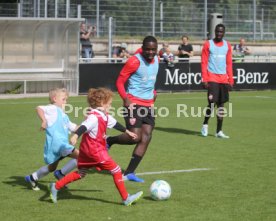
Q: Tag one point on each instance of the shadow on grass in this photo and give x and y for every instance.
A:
(148, 198)
(64, 194)
(178, 130)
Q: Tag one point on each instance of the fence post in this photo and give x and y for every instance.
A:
(56, 8)
(79, 11)
(67, 8)
(38, 8)
(153, 17)
(254, 19)
(45, 9)
(110, 37)
(98, 19)
(161, 18)
(19, 10)
(205, 19)
(25, 87)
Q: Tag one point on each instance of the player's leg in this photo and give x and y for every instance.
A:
(148, 122)
(70, 165)
(223, 97)
(138, 153)
(207, 114)
(69, 178)
(116, 172)
(212, 96)
(33, 178)
(220, 113)
(39, 174)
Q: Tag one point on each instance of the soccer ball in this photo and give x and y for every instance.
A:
(160, 190)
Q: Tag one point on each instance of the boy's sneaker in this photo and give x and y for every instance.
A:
(32, 183)
(204, 130)
(53, 192)
(58, 175)
(132, 198)
(133, 177)
(220, 134)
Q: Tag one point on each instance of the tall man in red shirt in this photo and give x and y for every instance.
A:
(140, 72)
(217, 77)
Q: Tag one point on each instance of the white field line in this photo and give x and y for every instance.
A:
(265, 97)
(173, 171)
(163, 99)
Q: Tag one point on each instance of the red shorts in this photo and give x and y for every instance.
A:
(108, 164)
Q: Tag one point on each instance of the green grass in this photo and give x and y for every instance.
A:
(240, 185)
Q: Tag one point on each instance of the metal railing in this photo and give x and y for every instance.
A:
(253, 19)
(256, 58)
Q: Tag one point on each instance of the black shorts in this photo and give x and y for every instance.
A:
(139, 115)
(218, 93)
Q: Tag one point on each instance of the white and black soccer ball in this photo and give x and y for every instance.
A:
(160, 190)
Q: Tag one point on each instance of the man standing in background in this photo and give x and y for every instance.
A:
(217, 77)
(86, 45)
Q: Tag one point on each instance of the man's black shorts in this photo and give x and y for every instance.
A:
(218, 93)
(139, 115)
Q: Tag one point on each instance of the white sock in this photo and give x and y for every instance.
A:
(41, 172)
(68, 167)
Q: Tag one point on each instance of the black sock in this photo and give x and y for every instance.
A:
(206, 119)
(32, 178)
(134, 162)
(207, 114)
(220, 117)
(219, 124)
(61, 173)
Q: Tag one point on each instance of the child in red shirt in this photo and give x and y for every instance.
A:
(93, 152)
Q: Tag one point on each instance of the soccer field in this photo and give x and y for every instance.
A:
(212, 179)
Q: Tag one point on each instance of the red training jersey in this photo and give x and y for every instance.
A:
(208, 76)
(93, 147)
(130, 67)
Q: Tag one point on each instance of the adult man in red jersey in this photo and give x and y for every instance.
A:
(217, 77)
(140, 72)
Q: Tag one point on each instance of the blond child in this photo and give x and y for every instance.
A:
(57, 126)
(93, 151)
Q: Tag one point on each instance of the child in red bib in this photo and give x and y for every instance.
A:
(93, 151)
